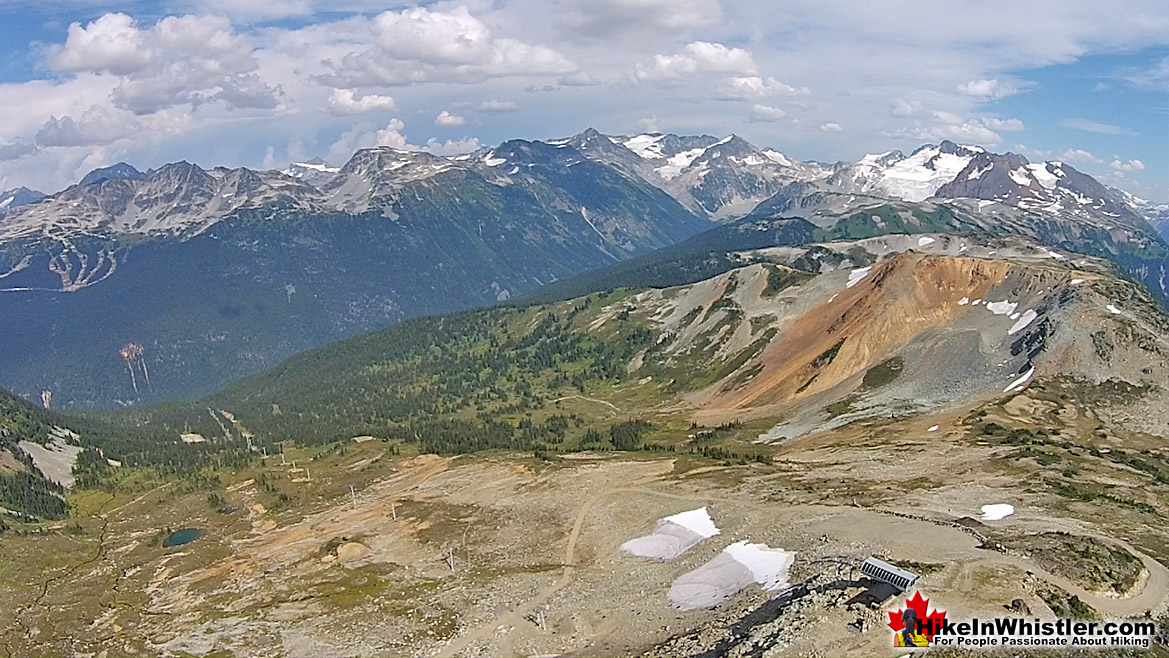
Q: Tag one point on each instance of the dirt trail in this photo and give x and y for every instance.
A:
(1152, 594)
(515, 616)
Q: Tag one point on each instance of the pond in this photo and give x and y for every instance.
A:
(184, 536)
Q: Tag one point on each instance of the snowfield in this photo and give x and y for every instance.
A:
(997, 511)
(673, 535)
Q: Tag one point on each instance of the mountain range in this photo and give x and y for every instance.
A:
(205, 275)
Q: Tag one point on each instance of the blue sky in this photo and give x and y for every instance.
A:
(240, 83)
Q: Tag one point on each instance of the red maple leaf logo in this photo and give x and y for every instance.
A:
(930, 623)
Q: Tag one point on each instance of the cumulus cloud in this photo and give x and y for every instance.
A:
(831, 127)
(367, 136)
(16, 150)
(1005, 125)
(753, 86)
(344, 101)
(446, 118)
(696, 57)
(988, 89)
(180, 60)
(765, 113)
(947, 125)
(498, 106)
(452, 146)
(1130, 166)
(95, 126)
(422, 45)
(111, 43)
(1078, 155)
(391, 135)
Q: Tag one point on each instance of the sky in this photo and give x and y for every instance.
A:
(260, 84)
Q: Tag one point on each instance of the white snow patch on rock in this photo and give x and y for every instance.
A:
(672, 536)
(1113, 310)
(1001, 308)
(964, 301)
(997, 511)
(769, 566)
(1020, 176)
(1027, 318)
(933, 429)
(646, 146)
(1019, 383)
(855, 276)
(925, 240)
(696, 520)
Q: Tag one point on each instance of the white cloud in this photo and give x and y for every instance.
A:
(446, 118)
(753, 86)
(988, 89)
(181, 60)
(97, 125)
(422, 45)
(391, 135)
(452, 146)
(1087, 125)
(831, 127)
(1130, 166)
(498, 106)
(16, 150)
(433, 37)
(578, 79)
(899, 107)
(344, 102)
(696, 57)
(1005, 125)
(607, 18)
(1078, 155)
(947, 125)
(765, 113)
(112, 43)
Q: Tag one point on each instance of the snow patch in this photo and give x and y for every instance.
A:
(1040, 173)
(1113, 310)
(1019, 383)
(933, 429)
(1020, 176)
(676, 163)
(769, 566)
(673, 535)
(645, 146)
(1076, 282)
(697, 521)
(977, 173)
(964, 301)
(855, 276)
(1001, 308)
(1027, 318)
(925, 240)
(997, 511)
(777, 157)
(492, 161)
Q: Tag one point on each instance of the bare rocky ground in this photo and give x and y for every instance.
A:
(331, 575)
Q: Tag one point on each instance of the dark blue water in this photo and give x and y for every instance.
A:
(184, 536)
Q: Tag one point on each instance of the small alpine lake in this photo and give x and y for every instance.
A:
(181, 537)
